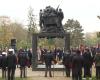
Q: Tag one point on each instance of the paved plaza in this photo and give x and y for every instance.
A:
(39, 75)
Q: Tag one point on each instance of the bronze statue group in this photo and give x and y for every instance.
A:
(51, 20)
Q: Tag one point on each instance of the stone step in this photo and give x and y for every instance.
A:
(55, 67)
(52, 66)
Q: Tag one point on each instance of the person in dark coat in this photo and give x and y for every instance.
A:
(60, 54)
(48, 58)
(22, 61)
(0, 60)
(42, 55)
(4, 65)
(97, 65)
(67, 63)
(93, 50)
(30, 57)
(77, 63)
(88, 60)
(55, 53)
(11, 65)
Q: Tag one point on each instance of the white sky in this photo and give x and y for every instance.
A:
(85, 11)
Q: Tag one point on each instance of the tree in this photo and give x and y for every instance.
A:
(75, 30)
(5, 33)
(92, 39)
(12, 30)
(19, 33)
(31, 25)
(31, 22)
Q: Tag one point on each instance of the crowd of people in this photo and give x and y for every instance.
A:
(74, 60)
(57, 54)
(9, 60)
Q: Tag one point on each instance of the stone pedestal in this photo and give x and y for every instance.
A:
(65, 36)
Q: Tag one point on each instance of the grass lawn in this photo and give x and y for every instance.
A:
(93, 78)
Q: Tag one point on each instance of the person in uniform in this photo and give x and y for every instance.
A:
(11, 65)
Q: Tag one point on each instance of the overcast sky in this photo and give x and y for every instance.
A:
(85, 11)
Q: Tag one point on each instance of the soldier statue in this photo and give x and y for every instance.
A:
(51, 20)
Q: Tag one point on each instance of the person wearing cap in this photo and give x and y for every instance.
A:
(12, 50)
(11, 65)
(4, 52)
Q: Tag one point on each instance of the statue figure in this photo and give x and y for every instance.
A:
(51, 20)
(41, 19)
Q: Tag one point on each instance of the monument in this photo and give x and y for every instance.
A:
(50, 27)
(51, 20)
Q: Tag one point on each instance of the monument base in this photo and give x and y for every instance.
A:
(55, 67)
(65, 36)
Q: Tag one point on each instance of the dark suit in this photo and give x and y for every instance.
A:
(22, 60)
(87, 64)
(11, 64)
(97, 65)
(67, 63)
(77, 63)
(30, 58)
(4, 65)
(48, 58)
